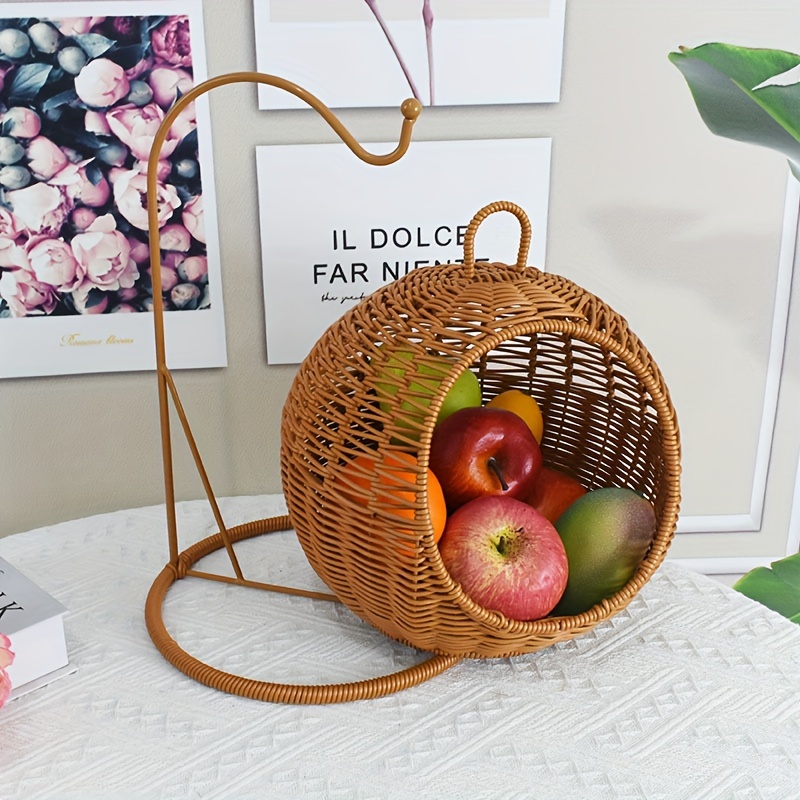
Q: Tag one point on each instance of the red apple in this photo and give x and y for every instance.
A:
(484, 451)
(554, 492)
(506, 556)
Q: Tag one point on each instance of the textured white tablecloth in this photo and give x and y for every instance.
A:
(692, 693)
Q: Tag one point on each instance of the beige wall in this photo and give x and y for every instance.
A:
(668, 223)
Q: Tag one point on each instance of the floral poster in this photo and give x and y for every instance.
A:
(360, 53)
(83, 90)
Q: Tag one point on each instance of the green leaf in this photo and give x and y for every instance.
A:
(61, 99)
(788, 570)
(28, 81)
(723, 80)
(93, 44)
(778, 589)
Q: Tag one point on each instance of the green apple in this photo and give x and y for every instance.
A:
(464, 393)
(606, 533)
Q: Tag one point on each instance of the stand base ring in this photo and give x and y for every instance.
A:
(298, 694)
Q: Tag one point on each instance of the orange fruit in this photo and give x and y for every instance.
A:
(395, 488)
(523, 405)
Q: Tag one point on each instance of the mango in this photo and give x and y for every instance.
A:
(606, 534)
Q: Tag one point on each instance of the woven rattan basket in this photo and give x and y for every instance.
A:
(608, 421)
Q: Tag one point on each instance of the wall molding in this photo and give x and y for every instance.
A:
(751, 522)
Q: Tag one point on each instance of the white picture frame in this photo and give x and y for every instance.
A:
(53, 337)
(320, 256)
(444, 52)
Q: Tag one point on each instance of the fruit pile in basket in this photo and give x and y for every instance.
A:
(519, 537)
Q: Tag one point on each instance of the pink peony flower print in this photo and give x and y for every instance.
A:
(6, 659)
(82, 218)
(166, 82)
(185, 123)
(169, 278)
(171, 42)
(136, 127)
(130, 194)
(69, 26)
(95, 122)
(25, 295)
(81, 190)
(104, 254)
(40, 208)
(193, 218)
(10, 227)
(21, 122)
(101, 83)
(194, 269)
(140, 251)
(53, 262)
(175, 237)
(12, 254)
(45, 158)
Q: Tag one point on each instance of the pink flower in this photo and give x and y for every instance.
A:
(140, 251)
(101, 83)
(10, 227)
(193, 218)
(194, 269)
(95, 122)
(83, 191)
(12, 255)
(166, 82)
(82, 218)
(45, 158)
(21, 122)
(25, 295)
(6, 659)
(175, 237)
(130, 194)
(169, 279)
(41, 208)
(123, 308)
(171, 42)
(185, 123)
(104, 254)
(52, 262)
(72, 25)
(136, 127)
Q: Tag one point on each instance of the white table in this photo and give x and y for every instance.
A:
(691, 693)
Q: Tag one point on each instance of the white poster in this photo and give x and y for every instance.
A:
(334, 229)
(83, 90)
(357, 53)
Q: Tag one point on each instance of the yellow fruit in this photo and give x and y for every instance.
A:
(523, 405)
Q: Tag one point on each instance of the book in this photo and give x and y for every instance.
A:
(34, 622)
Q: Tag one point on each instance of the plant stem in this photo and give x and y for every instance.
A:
(494, 467)
(373, 6)
(427, 18)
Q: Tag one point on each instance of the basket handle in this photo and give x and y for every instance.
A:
(472, 228)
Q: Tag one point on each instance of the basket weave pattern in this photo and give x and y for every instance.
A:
(608, 422)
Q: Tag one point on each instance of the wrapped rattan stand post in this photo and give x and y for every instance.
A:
(608, 422)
